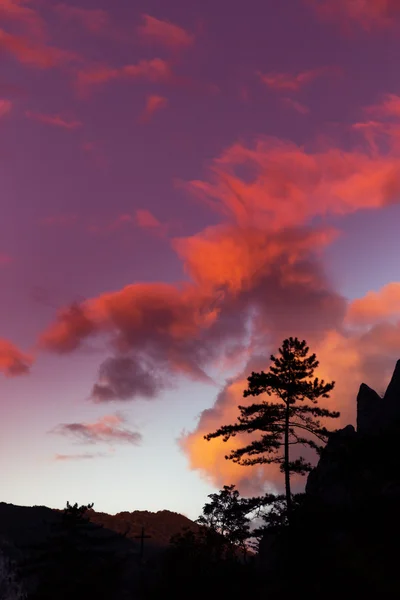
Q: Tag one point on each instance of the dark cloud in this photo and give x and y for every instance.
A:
(124, 378)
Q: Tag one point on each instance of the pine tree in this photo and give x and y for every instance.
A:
(288, 422)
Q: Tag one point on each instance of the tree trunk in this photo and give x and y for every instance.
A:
(286, 466)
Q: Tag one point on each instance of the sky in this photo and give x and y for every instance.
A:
(184, 185)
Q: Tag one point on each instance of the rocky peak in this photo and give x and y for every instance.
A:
(376, 414)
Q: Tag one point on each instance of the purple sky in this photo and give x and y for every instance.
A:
(197, 182)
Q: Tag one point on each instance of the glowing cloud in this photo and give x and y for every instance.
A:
(331, 181)
(293, 82)
(369, 14)
(154, 103)
(5, 259)
(389, 107)
(155, 70)
(34, 53)
(5, 107)
(376, 306)
(164, 33)
(13, 362)
(17, 10)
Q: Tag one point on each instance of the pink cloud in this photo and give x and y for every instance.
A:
(18, 10)
(369, 14)
(388, 107)
(5, 107)
(84, 456)
(164, 33)
(13, 362)
(252, 280)
(297, 106)
(294, 82)
(146, 220)
(154, 103)
(106, 429)
(94, 20)
(155, 70)
(5, 259)
(34, 53)
(54, 120)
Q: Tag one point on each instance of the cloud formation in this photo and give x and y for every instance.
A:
(253, 279)
(54, 120)
(302, 109)
(124, 378)
(164, 33)
(13, 362)
(376, 306)
(155, 70)
(5, 107)
(330, 181)
(5, 259)
(93, 20)
(106, 429)
(369, 14)
(154, 103)
(294, 82)
(84, 456)
(33, 52)
(19, 11)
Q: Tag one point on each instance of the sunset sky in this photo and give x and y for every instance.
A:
(185, 184)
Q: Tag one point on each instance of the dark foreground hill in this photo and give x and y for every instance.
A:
(34, 538)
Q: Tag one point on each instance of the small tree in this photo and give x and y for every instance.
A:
(227, 515)
(289, 421)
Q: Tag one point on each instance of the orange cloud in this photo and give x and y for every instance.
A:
(105, 429)
(376, 306)
(94, 20)
(209, 457)
(235, 259)
(253, 280)
(154, 103)
(290, 185)
(13, 362)
(346, 359)
(54, 120)
(5, 107)
(369, 14)
(165, 329)
(155, 70)
(34, 53)
(164, 33)
(297, 106)
(293, 82)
